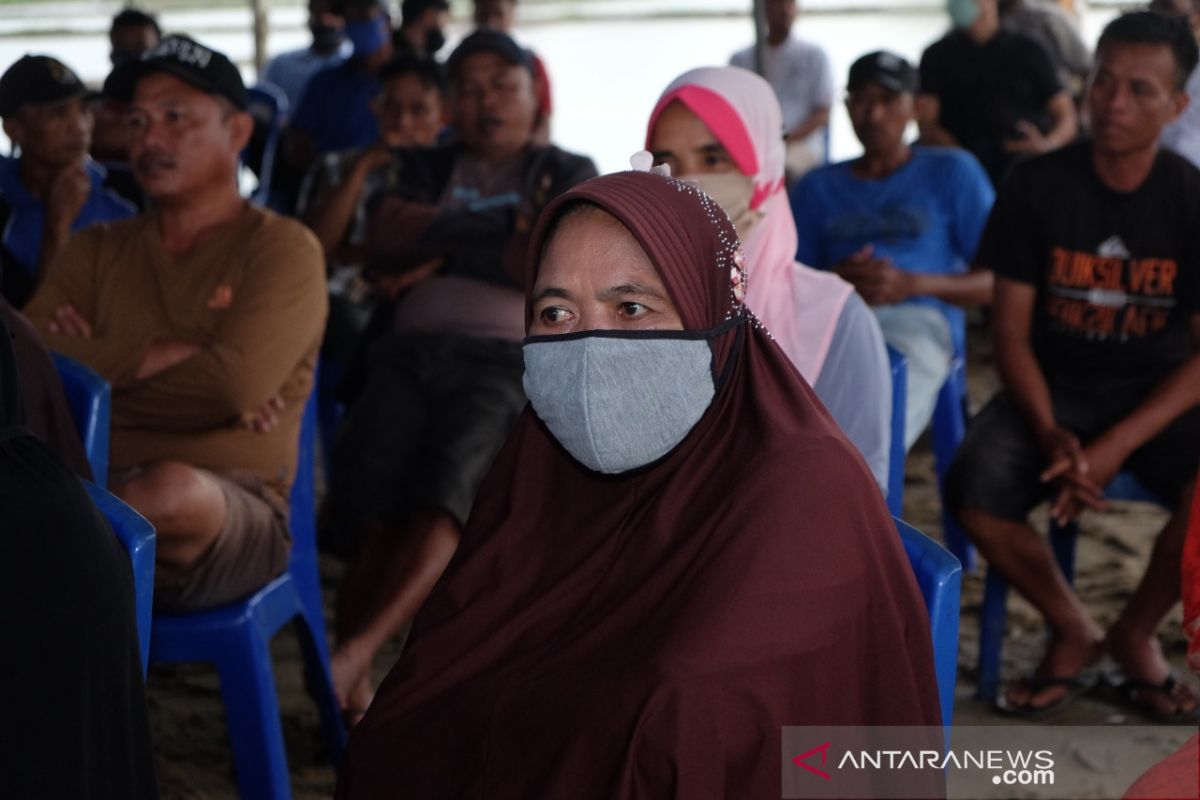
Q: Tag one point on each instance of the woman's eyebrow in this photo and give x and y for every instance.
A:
(626, 289)
(550, 291)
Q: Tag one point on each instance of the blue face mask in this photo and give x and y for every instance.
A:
(963, 13)
(368, 36)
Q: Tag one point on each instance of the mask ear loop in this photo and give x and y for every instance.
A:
(739, 335)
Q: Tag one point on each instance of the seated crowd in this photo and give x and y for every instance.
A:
(612, 452)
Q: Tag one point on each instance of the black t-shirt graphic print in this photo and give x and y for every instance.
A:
(1117, 274)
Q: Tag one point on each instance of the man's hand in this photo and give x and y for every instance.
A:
(878, 280)
(376, 156)
(1103, 457)
(164, 354)
(69, 322)
(69, 192)
(1029, 139)
(265, 418)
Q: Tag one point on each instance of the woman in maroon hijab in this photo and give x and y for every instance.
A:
(676, 554)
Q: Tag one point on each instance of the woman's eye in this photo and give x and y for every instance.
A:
(633, 309)
(715, 161)
(554, 315)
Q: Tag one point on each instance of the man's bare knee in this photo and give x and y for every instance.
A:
(168, 493)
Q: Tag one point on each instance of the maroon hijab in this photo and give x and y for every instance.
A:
(648, 634)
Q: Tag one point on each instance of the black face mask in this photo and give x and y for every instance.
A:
(118, 57)
(326, 38)
(434, 39)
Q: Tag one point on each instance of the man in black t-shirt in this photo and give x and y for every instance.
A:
(992, 91)
(1097, 337)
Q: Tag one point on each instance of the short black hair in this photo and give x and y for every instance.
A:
(411, 9)
(426, 70)
(130, 17)
(340, 7)
(1150, 27)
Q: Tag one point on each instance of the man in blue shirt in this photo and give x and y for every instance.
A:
(901, 223)
(291, 71)
(52, 188)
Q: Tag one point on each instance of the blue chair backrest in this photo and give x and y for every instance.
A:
(90, 400)
(895, 493)
(939, 575)
(268, 105)
(303, 502)
(136, 534)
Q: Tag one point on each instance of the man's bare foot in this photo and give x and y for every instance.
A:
(1067, 655)
(1148, 681)
(349, 668)
(360, 700)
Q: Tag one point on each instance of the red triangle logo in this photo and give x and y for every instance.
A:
(823, 749)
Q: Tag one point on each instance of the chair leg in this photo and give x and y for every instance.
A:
(949, 427)
(320, 685)
(252, 710)
(994, 613)
(992, 619)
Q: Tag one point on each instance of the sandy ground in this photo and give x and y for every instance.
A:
(189, 723)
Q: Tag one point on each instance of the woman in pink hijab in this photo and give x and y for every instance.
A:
(721, 127)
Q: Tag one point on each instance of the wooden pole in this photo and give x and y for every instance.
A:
(260, 35)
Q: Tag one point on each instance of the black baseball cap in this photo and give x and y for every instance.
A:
(886, 69)
(486, 40)
(186, 59)
(35, 80)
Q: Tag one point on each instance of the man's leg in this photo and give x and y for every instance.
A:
(1133, 638)
(992, 485)
(922, 334)
(185, 505)
(1025, 560)
(474, 400)
(410, 572)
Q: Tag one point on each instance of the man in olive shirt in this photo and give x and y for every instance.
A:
(205, 314)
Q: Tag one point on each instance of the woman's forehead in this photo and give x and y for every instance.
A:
(591, 243)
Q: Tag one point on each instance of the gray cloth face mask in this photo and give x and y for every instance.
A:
(619, 400)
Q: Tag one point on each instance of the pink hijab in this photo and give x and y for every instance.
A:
(799, 305)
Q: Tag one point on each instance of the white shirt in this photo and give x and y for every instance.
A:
(800, 74)
(1183, 135)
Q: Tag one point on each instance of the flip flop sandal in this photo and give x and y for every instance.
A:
(1134, 694)
(1076, 686)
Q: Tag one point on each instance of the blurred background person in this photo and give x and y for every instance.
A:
(52, 187)
(422, 31)
(991, 91)
(291, 71)
(799, 72)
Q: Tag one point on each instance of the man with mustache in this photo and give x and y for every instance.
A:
(52, 188)
(205, 314)
(1096, 325)
(444, 387)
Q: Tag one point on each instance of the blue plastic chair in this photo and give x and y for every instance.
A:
(268, 105)
(939, 575)
(949, 427)
(236, 638)
(994, 614)
(137, 537)
(895, 488)
(90, 400)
